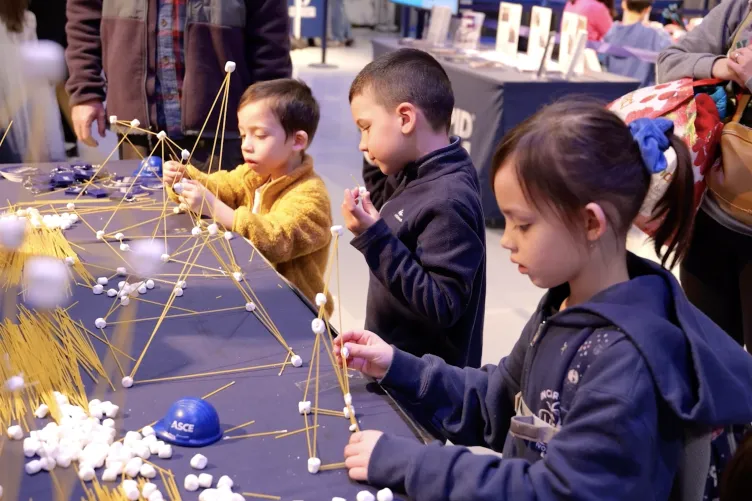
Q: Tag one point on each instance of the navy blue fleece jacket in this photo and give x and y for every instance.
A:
(427, 260)
(662, 366)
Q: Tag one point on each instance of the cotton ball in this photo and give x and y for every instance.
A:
(320, 299)
(199, 462)
(304, 407)
(112, 293)
(250, 306)
(191, 483)
(213, 229)
(165, 452)
(229, 236)
(42, 411)
(318, 326)
(46, 282)
(178, 292)
(313, 465)
(127, 382)
(148, 471)
(150, 284)
(12, 231)
(238, 276)
(147, 489)
(33, 467)
(205, 480)
(364, 496)
(196, 231)
(100, 323)
(15, 432)
(100, 235)
(337, 230)
(229, 67)
(297, 361)
(225, 481)
(148, 256)
(86, 473)
(385, 495)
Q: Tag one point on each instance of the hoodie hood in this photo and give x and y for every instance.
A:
(692, 361)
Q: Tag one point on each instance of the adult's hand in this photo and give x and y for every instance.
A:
(83, 115)
(740, 62)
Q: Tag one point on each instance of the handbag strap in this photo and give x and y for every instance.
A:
(740, 107)
(707, 81)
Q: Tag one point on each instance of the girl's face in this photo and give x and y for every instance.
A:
(539, 242)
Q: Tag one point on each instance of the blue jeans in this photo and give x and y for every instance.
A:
(340, 24)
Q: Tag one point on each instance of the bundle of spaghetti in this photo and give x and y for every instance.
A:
(98, 492)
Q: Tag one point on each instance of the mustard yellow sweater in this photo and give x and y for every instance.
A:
(292, 226)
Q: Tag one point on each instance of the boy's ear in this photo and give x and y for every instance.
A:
(299, 140)
(596, 222)
(407, 114)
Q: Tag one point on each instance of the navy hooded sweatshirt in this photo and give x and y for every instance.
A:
(427, 260)
(661, 366)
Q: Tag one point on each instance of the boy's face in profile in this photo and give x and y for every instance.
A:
(265, 147)
(382, 133)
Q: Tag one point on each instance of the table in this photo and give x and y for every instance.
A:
(489, 102)
(229, 338)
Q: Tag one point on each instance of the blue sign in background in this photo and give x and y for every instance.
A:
(312, 21)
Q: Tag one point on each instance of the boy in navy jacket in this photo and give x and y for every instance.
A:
(426, 246)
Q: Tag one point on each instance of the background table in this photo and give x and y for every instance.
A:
(489, 102)
(209, 342)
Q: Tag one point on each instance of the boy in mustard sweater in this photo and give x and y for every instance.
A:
(274, 199)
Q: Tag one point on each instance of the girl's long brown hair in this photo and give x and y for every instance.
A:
(12, 13)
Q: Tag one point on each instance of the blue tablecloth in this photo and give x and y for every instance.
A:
(210, 342)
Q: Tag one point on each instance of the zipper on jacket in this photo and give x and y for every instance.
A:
(530, 355)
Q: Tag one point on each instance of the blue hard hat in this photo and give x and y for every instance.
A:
(190, 422)
(149, 167)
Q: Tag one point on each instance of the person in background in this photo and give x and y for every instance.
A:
(599, 15)
(717, 272)
(163, 63)
(340, 29)
(634, 31)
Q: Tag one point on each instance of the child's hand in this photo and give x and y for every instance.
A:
(172, 172)
(368, 353)
(358, 453)
(358, 218)
(194, 194)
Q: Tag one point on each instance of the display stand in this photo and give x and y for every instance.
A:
(323, 64)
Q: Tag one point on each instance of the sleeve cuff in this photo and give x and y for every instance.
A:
(390, 461)
(704, 66)
(377, 230)
(404, 374)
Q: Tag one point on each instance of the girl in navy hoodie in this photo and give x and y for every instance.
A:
(615, 369)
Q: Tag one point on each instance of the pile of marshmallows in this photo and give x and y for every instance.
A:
(223, 490)
(382, 495)
(15, 223)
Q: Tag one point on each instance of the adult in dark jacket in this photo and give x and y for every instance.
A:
(162, 62)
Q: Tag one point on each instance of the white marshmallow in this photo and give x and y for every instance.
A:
(109, 475)
(185, 155)
(133, 467)
(127, 382)
(147, 431)
(182, 284)
(236, 496)
(165, 258)
(362, 191)
(154, 447)
(142, 289)
(125, 247)
(365, 496)
(318, 326)
(178, 189)
(229, 236)
(135, 123)
(74, 218)
(348, 399)
(148, 257)
(125, 301)
(142, 450)
(64, 459)
(113, 119)
(320, 299)
(155, 496)
(119, 236)
(100, 235)
(209, 495)
(71, 206)
(46, 282)
(313, 465)
(229, 66)
(161, 135)
(108, 423)
(196, 231)
(96, 411)
(353, 428)
(304, 407)
(70, 260)
(86, 473)
(178, 292)
(225, 481)
(33, 467)
(42, 411)
(345, 352)
(150, 439)
(337, 230)
(184, 207)
(250, 306)
(148, 488)
(122, 284)
(12, 231)
(30, 446)
(205, 480)
(122, 271)
(150, 284)
(48, 463)
(15, 432)
(238, 276)
(213, 229)
(97, 289)
(110, 409)
(190, 483)
(346, 412)
(100, 323)
(131, 438)
(385, 495)
(148, 471)
(112, 293)
(199, 462)
(131, 490)
(175, 210)
(338, 499)
(165, 452)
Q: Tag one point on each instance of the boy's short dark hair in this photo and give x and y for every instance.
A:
(291, 101)
(409, 76)
(639, 5)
